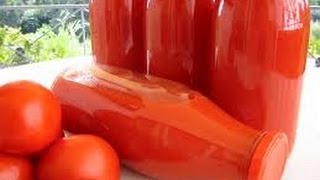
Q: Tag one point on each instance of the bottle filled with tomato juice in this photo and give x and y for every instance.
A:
(164, 130)
(117, 33)
(259, 50)
(178, 40)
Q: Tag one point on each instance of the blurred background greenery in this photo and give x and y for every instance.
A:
(314, 42)
(33, 35)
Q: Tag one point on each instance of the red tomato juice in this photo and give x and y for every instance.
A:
(165, 130)
(260, 50)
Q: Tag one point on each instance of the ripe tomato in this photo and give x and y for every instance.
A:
(79, 157)
(15, 168)
(30, 118)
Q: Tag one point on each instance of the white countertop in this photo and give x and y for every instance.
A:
(304, 163)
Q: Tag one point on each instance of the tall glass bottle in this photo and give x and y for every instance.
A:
(204, 11)
(260, 50)
(177, 40)
(117, 28)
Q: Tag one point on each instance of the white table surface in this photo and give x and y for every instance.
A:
(304, 163)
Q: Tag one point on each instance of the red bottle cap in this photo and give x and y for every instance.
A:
(269, 158)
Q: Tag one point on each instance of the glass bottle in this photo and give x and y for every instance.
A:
(260, 50)
(165, 130)
(178, 40)
(117, 30)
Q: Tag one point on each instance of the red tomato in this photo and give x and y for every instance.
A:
(30, 118)
(79, 157)
(15, 168)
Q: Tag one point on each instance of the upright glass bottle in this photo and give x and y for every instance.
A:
(117, 28)
(204, 11)
(177, 40)
(260, 50)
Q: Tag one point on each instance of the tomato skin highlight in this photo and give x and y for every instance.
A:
(30, 118)
(15, 168)
(79, 157)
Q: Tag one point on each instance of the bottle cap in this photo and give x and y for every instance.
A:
(269, 158)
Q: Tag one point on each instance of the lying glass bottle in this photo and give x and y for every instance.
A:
(164, 130)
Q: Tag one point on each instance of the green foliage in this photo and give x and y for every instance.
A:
(314, 46)
(10, 18)
(315, 30)
(30, 22)
(314, 43)
(17, 48)
(61, 45)
(33, 20)
(314, 2)
(7, 56)
(37, 35)
(18, 2)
